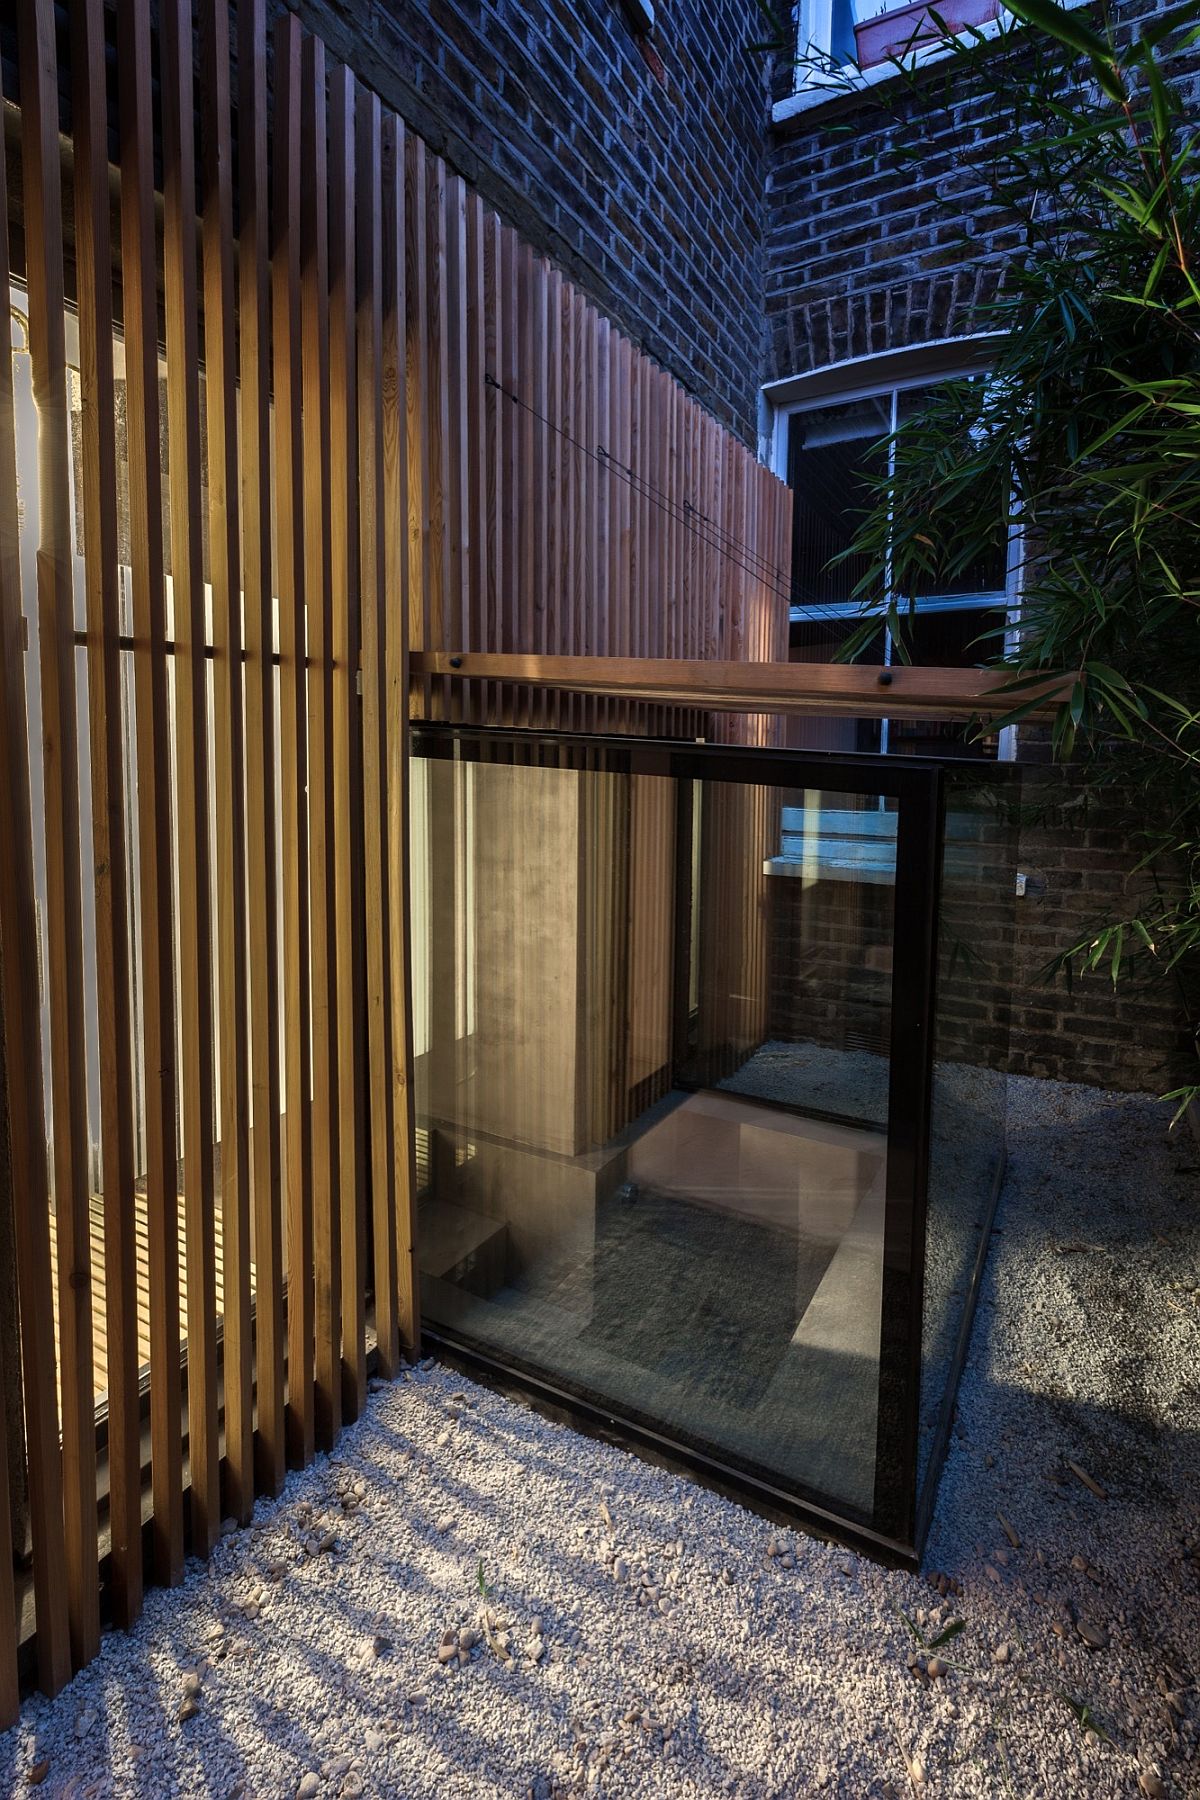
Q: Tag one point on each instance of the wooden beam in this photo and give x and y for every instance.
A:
(769, 687)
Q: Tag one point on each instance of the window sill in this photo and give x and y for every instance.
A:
(852, 83)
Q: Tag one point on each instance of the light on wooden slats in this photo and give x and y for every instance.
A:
(509, 414)
(139, 293)
(437, 401)
(60, 759)
(193, 861)
(229, 750)
(293, 732)
(373, 176)
(23, 1088)
(397, 578)
(528, 710)
(93, 266)
(456, 515)
(9, 1683)
(476, 572)
(314, 315)
(346, 750)
(261, 745)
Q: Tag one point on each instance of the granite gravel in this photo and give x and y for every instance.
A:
(471, 1601)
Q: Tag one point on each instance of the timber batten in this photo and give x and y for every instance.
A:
(759, 686)
(373, 418)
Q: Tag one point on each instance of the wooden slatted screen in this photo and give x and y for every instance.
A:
(374, 419)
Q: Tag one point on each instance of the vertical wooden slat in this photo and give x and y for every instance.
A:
(397, 468)
(600, 601)
(438, 616)
(259, 628)
(293, 733)
(494, 479)
(93, 266)
(153, 751)
(193, 862)
(60, 759)
(510, 569)
(346, 758)
(529, 500)
(539, 499)
(625, 421)
(456, 515)
(568, 485)
(26, 1115)
(415, 341)
(226, 581)
(375, 172)
(552, 475)
(579, 486)
(10, 1692)
(476, 574)
(322, 901)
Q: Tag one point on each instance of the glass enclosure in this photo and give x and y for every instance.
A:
(673, 1018)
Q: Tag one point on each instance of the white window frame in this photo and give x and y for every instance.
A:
(870, 377)
(813, 20)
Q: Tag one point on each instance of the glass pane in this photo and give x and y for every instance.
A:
(833, 452)
(987, 573)
(959, 639)
(651, 1081)
(966, 1154)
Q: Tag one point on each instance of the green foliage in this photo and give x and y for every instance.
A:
(1085, 437)
(934, 1643)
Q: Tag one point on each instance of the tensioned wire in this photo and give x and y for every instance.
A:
(707, 532)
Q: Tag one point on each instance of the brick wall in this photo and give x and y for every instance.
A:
(871, 247)
(1080, 859)
(649, 194)
(996, 1008)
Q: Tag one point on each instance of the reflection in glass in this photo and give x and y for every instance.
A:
(652, 1021)
(967, 1133)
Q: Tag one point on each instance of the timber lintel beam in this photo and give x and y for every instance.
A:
(744, 687)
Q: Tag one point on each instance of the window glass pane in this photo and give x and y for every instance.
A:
(987, 573)
(832, 453)
(959, 639)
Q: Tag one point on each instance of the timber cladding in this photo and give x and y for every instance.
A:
(372, 417)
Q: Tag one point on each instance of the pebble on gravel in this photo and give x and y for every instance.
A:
(745, 1685)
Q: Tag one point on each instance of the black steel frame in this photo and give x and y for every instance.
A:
(897, 1521)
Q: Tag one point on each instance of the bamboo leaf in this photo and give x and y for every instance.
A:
(1064, 27)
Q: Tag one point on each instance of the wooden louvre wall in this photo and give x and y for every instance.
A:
(306, 403)
(569, 497)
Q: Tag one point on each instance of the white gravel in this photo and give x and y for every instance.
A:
(308, 1670)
